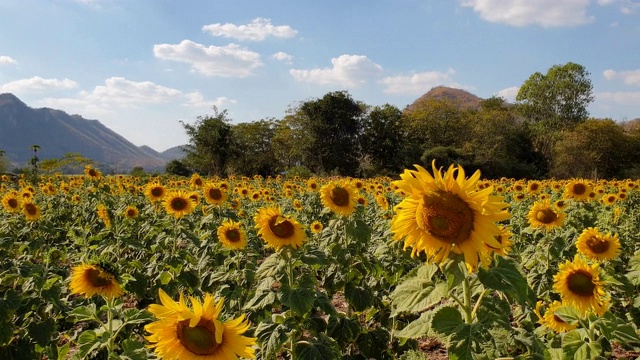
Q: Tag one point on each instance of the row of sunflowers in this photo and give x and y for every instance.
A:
(119, 267)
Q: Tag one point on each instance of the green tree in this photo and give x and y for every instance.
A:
(3, 162)
(332, 125)
(252, 148)
(138, 171)
(288, 141)
(177, 167)
(208, 150)
(594, 149)
(69, 163)
(382, 139)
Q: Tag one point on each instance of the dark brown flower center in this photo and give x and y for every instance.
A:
(233, 235)
(339, 196)
(31, 209)
(281, 227)
(198, 182)
(580, 282)
(178, 204)
(131, 212)
(215, 194)
(98, 278)
(200, 339)
(93, 173)
(157, 191)
(546, 216)
(534, 186)
(13, 203)
(579, 189)
(597, 244)
(445, 216)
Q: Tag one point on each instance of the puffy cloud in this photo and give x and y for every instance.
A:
(258, 30)
(419, 83)
(7, 60)
(509, 93)
(628, 77)
(38, 84)
(283, 56)
(196, 99)
(620, 97)
(347, 70)
(223, 61)
(546, 13)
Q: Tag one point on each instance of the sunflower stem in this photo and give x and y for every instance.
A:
(110, 301)
(468, 312)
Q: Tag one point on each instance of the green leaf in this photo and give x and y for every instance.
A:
(42, 332)
(271, 337)
(416, 294)
(313, 350)
(165, 277)
(567, 314)
(505, 277)
(446, 320)
(88, 342)
(84, 313)
(344, 330)
(314, 256)
(359, 230)
(373, 343)
(358, 297)
(576, 345)
(418, 328)
(466, 341)
(133, 350)
(298, 299)
(270, 267)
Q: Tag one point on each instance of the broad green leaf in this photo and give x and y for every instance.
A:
(270, 267)
(271, 337)
(358, 297)
(88, 342)
(373, 343)
(446, 320)
(505, 277)
(359, 230)
(298, 299)
(165, 277)
(313, 350)
(133, 350)
(42, 332)
(466, 340)
(568, 314)
(418, 328)
(84, 313)
(416, 294)
(314, 256)
(343, 330)
(575, 345)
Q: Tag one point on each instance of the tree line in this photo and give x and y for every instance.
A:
(546, 133)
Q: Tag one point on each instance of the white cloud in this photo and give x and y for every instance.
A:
(620, 97)
(7, 60)
(347, 70)
(546, 13)
(258, 30)
(224, 61)
(38, 84)
(628, 77)
(419, 83)
(509, 93)
(283, 56)
(118, 92)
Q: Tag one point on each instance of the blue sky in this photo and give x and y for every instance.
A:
(142, 66)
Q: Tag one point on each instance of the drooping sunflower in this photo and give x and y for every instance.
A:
(103, 214)
(597, 246)
(11, 202)
(131, 212)
(214, 194)
(31, 211)
(446, 212)
(198, 333)
(155, 191)
(196, 181)
(232, 235)
(278, 230)
(340, 197)
(579, 285)
(542, 214)
(316, 227)
(178, 203)
(577, 189)
(92, 173)
(551, 320)
(89, 280)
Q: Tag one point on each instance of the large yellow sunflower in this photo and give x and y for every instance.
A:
(31, 211)
(197, 333)
(577, 189)
(214, 194)
(232, 235)
(11, 202)
(340, 197)
(277, 230)
(551, 320)
(597, 246)
(542, 214)
(446, 212)
(155, 191)
(579, 285)
(89, 280)
(178, 203)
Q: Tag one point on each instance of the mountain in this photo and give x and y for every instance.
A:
(58, 133)
(176, 152)
(461, 98)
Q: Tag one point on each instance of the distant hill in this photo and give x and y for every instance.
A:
(58, 133)
(461, 98)
(176, 152)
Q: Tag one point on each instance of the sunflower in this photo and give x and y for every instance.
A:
(178, 203)
(312, 184)
(446, 212)
(340, 197)
(382, 202)
(596, 246)
(534, 187)
(197, 334)
(504, 238)
(577, 189)
(579, 285)
(92, 173)
(31, 211)
(362, 201)
(551, 320)
(89, 280)
(316, 227)
(609, 199)
(561, 204)
(277, 230)
(11, 202)
(131, 212)
(542, 214)
(103, 214)
(155, 191)
(232, 235)
(196, 181)
(214, 194)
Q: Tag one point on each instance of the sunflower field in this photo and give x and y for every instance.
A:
(435, 263)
